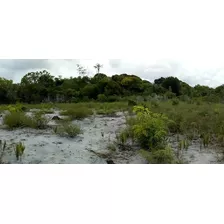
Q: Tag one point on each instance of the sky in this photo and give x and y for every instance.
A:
(15, 69)
(161, 38)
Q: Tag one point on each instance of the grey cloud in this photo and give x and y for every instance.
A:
(115, 63)
(16, 69)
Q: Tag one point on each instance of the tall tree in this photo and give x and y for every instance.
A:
(81, 70)
(98, 67)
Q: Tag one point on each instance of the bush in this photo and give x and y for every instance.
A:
(175, 102)
(16, 108)
(68, 130)
(19, 150)
(20, 119)
(77, 113)
(113, 98)
(40, 121)
(155, 103)
(131, 103)
(102, 98)
(17, 119)
(163, 156)
(147, 128)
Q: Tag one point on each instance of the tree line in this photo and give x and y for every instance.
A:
(41, 86)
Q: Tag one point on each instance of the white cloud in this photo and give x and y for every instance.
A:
(15, 69)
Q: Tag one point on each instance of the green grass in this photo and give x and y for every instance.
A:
(163, 156)
(68, 130)
(196, 120)
(21, 120)
(77, 113)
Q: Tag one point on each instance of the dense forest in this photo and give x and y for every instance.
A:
(41, 86)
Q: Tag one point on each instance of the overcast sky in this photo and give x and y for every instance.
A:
(16, 68)
(172, 38)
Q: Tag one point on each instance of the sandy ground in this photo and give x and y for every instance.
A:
(45, 147)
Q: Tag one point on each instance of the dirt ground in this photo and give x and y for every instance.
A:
(45, 147)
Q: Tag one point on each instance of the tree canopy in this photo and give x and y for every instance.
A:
(41, 86)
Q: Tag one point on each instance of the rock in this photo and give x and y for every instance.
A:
(56, 118)
(110, 161)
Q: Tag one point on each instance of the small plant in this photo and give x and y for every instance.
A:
(17, 119)
(220, 140)
(21, 120)
(101, 98)
(68, 130)
(16, 108)
(131, 103)
(111, 147)
(40, 121)
(2, 149)
(77, 113)
(155, 103)
(175, 102)
(205, 139)
(164, 156)
(150, 129)
(19, 150)
(183, 145)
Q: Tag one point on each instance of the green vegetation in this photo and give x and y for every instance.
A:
(77, 113)
(2, 150)
(157, 110)
(150, 131)
(19, 150)
(163, 156)
(68, 130)
(42, 87)
(21, 120)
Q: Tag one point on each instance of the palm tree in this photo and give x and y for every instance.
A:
(98, 67)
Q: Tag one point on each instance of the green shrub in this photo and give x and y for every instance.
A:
(113, 98)
(2, 150)
(149, 129)
(16, 108)
(102, 98)
(19, 150)
(17, 119)
(21, 120)
(175, 102)
(77, 113)
(131, 103)
(155, 103)
(40, 121)
(68, 130)
(175, 126)
(111, 147)
(163, 156)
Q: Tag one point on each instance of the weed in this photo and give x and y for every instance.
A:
(20, 119)
(19, 150)
(17, 119)
(111, 147)
(150, 129)
(68, 130)
(2, 149)
(175, 102)
(77, 113)
(163, 156)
